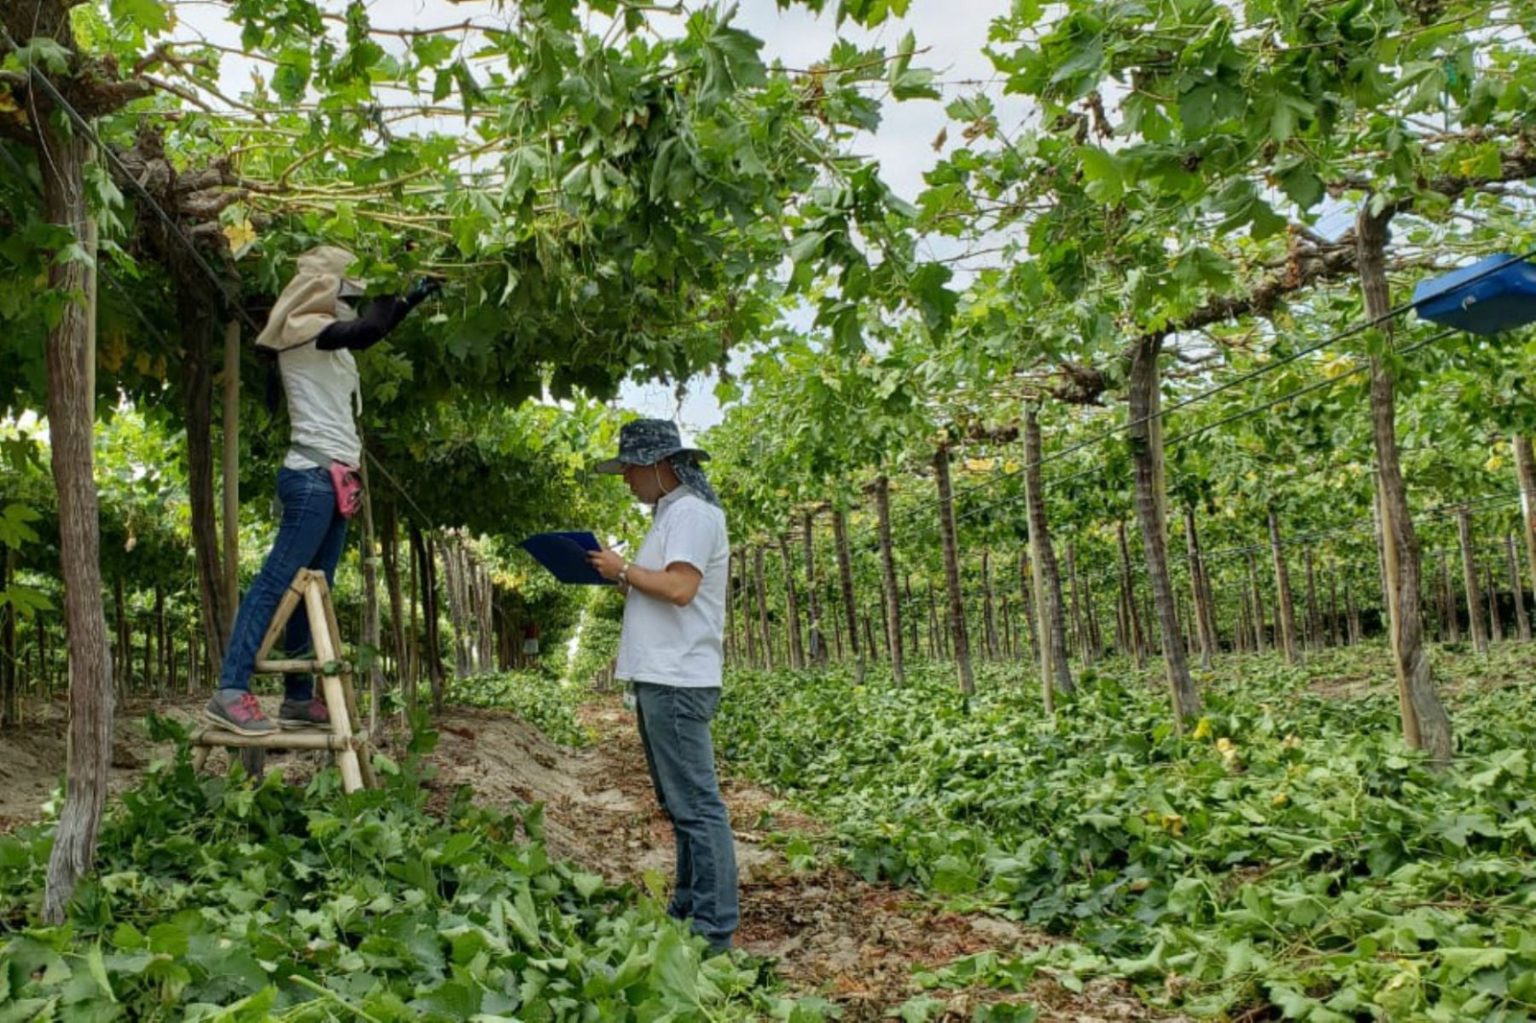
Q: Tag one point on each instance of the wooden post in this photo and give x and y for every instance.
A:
(70, 358)
(933, 625)
(90, 241)
(815, 639)
(1055, 670)
(1430, 727)
(760, 587)
(1450, 624)
(1075, 606)
(1525, 475)
(316, 596)
(1046, 647)
(1495, 620)
(1134, 634)
(1333, 606)
(988, 610)
(10, 703)
(845, 577)
(893, 610)
(1314, 612)
(791, 605)
(1285, 616)
(372, 634)
(1389, 570)
(1352, 612)
(1205, 628)
(1259, 642)
(906, 582)
(411, 682)
(1095, 639)
(744, 607)
(231, 468)
(1145, 431)
(1026, 585)
(733, 652)
(1469, 581)
(957, 629)
(1517, 591)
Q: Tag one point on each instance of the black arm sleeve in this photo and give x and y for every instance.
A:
(382, 316)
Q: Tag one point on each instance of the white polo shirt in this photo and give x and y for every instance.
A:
(664, 643)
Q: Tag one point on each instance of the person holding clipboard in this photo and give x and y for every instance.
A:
(671, 650)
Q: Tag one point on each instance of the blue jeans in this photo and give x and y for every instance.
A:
(310, 535)
(674, 729)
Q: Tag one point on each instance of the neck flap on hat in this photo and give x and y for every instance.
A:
(691, 476)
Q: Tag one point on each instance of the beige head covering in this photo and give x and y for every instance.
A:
(308, 304)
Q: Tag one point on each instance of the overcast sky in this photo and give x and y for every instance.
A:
(954, 31)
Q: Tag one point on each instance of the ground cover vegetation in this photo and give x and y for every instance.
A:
(240, 899)
(1274, 855)
(1115, 549)
(537, 697)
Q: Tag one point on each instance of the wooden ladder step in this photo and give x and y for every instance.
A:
(301, 740)
(290, 667)
(310, 594)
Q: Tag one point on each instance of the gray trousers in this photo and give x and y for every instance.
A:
(674, 728)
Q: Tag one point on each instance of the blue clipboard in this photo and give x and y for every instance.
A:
(565, 555)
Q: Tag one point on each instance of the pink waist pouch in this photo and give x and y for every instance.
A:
(347, 481)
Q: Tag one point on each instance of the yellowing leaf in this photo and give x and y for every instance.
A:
(1337, 366)
(240, 236)
(1494, 463)
(1202, 729)
(980, 464)
(111, 350)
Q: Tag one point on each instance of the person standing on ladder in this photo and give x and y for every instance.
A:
(671, 649)
(311, 334)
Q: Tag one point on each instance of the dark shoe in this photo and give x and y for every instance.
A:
(311, 713)
(238, 711)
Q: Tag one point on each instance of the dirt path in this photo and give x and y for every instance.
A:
(32, 757)
(826, 931)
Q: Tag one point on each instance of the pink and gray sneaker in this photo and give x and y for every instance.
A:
(238, 711)
(311, 713)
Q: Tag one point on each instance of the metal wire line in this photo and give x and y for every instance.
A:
(218, 283)
(1283, 399)
(927, 530)
(1230, 553)
(1237, 381)
(187, 242)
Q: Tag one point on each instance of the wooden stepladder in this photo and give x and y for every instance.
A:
(346, 740)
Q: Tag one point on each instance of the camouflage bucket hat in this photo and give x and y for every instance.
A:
(646, 442)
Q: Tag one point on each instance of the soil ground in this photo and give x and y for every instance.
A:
(825, 931)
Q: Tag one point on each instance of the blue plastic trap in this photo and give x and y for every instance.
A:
(1480, 298)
